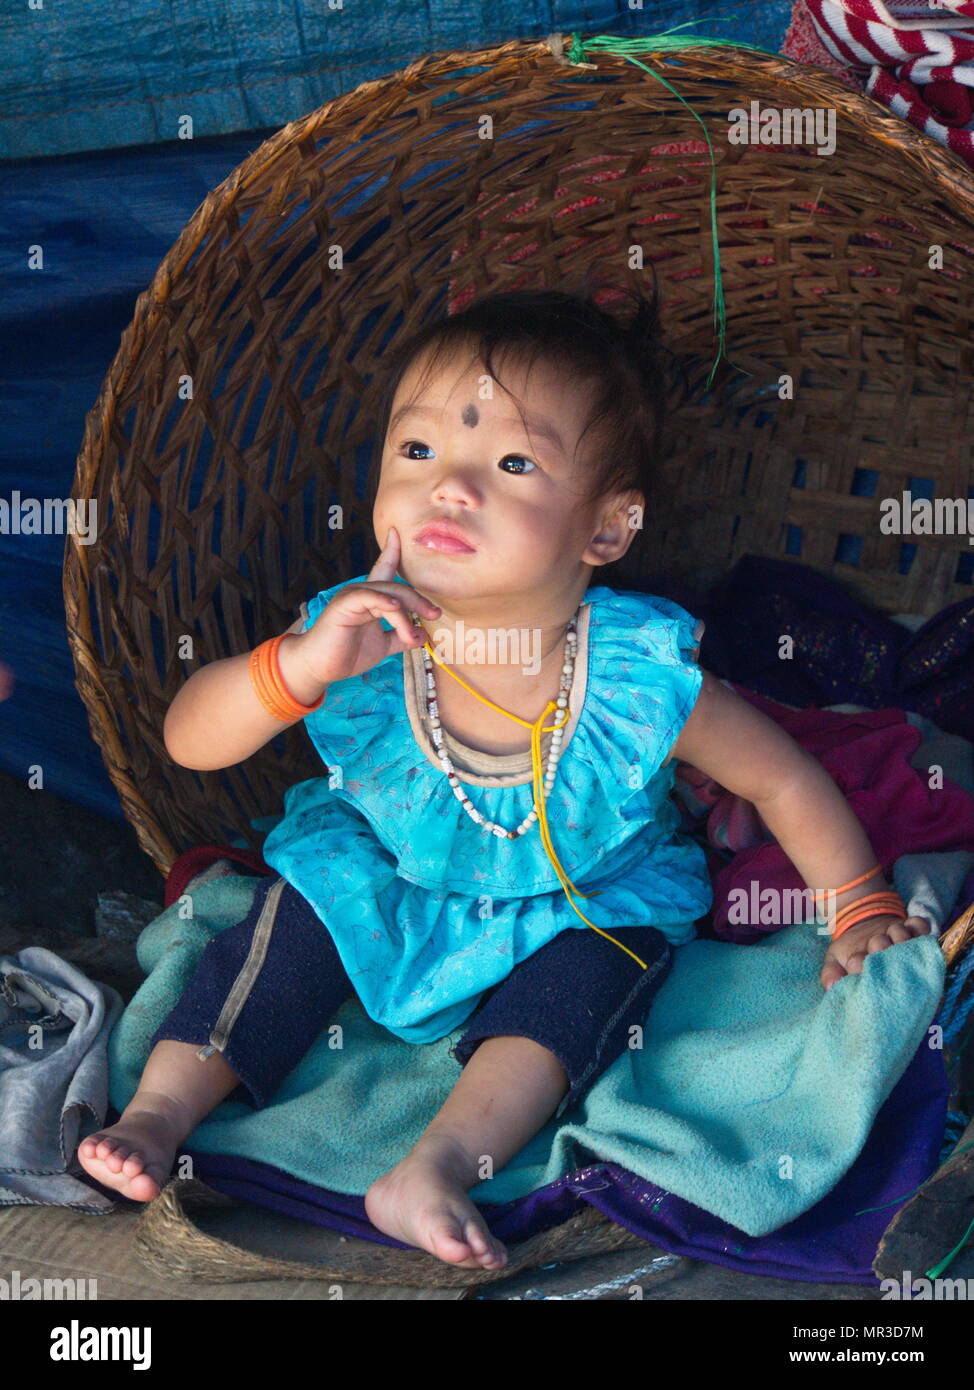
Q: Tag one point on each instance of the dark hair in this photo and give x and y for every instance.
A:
(624, 359)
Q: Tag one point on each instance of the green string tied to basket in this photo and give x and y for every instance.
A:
(935, 1270)
(673, 39)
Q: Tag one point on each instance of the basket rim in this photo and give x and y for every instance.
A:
(951, 180)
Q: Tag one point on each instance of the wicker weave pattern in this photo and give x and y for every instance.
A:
(214, 511)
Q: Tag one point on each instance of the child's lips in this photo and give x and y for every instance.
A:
(447, 540)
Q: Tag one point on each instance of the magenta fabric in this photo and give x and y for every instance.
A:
(731, 822)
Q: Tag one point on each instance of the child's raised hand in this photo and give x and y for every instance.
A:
(347, 638)
(848, 955)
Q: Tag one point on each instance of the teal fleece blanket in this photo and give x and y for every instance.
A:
(752, 1094)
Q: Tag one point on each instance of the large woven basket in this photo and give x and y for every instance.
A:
(241, 407)
(350, 228)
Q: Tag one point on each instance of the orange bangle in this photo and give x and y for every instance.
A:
(266, 678)
(875, 905)
(854, 884)
(271, 667)
(288, 706)
(261, 681)
(269, 684)
(885, 898)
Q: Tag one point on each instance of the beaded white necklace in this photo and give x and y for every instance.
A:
(554, 750)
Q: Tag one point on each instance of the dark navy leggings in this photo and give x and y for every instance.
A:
(266, 988)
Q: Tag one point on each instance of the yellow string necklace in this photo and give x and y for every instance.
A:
(539, 792)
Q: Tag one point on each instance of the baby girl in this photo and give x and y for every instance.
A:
(485, 718)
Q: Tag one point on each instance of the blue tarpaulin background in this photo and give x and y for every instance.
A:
(101, 89)
(96, 75)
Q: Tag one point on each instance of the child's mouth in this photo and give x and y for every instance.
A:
(433, 539)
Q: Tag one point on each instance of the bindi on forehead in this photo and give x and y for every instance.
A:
(470, 415)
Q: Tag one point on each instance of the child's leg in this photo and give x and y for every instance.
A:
(535, 1044)
(261, 994)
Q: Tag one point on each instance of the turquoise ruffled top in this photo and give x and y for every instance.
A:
(427, 909)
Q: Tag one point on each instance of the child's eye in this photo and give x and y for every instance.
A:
(531, 467)
(414, 444)
(522, 458)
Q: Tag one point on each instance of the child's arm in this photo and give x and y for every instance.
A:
(217, 720)
(750, 755)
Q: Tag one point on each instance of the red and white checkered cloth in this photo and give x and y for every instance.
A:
(915, 58)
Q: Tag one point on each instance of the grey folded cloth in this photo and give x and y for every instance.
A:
(54, 1029)
(929, 883)
(951, 752)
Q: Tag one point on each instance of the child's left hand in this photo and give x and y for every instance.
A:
(848, 955)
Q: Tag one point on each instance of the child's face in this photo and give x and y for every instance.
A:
(515, 493)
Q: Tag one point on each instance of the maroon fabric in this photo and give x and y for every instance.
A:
(196, 861)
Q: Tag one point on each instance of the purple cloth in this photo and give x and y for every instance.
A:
(844, 652)
(834, 1242)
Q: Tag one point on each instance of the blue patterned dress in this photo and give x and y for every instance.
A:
(427, 910)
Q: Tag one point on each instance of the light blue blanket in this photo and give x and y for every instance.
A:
(753, 1093)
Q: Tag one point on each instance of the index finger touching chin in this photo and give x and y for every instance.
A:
(385, 565)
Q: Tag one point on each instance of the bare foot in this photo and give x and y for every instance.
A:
(423, 1201)
(134, 1156)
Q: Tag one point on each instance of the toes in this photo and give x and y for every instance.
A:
(486, 1253)
(476, 1238)
(492, 1255)
(143, 1187)
(114, 1153)
(460, 1241)
(448, 1242)
(126, 1161)
(492, 1260)
(487, 1250)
